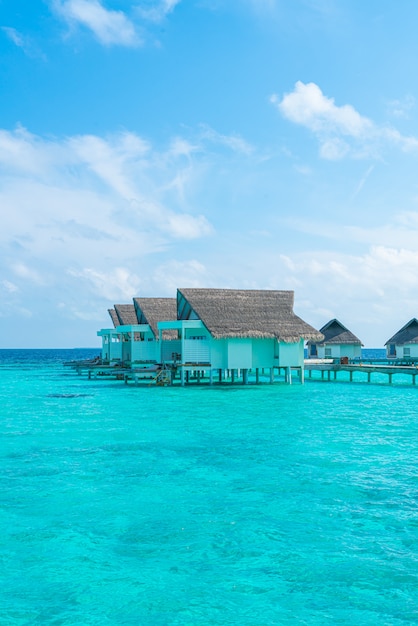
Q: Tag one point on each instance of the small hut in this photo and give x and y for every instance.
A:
(338, 342)
(404, 343)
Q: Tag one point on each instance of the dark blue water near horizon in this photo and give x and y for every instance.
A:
(248, 506)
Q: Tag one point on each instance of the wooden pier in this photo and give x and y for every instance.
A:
(325, 370)
(361, 371)
(184, 373)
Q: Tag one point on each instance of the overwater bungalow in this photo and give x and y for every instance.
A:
(112, 349)
(135, 335)
(404, 343)
(224, 332)
(338, 342)
(236, 330)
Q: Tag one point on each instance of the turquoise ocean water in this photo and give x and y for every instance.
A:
(269, 504)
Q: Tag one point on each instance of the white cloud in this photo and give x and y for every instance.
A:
(94, 187)
(363, 180)
(159, 11)
(119, 283)
(187, 226)
(83, 217)
(341, 130)
(14, 36)
(361, 290)
(23, 42)
(109, 159)
(176, 274)
(22, 151)
(308, 106)
(9, 287)
(182, 147)
(110, 27)
(21, 270)
(401, 231)
(402, 107)
(233, 142)
(334, 149)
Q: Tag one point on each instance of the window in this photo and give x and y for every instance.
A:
(407, 351)
(327, 352)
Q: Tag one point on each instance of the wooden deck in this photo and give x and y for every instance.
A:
(184, 373)
(187, 373)
(360, 371)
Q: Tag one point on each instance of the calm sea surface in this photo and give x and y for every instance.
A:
(268, 504)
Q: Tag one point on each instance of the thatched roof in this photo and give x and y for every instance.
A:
(114, 317)
(336, 333)
(126, 314)
(153, 310)
(407, 334)
(245, 313)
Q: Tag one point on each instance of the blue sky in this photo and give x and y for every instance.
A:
(147, 145)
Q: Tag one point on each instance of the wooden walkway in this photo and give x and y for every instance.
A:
(184, 373)
(314, 370)
(363, 370)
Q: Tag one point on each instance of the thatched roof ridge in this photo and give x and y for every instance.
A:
(407, 334)
(126, 314)
(252, 313)
(113, 317)
(153, 310)
(336, 333)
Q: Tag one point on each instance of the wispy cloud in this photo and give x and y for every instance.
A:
(378, 278)
(93, 216)
(117, 284)
(381, 270)
(340, 130)
(362, 181)
(109, 27)
(401, 231)
(21, 41)
(191, 273)
(159, 11)
(233, 142)
(122, 173)
(14, 36)
(401, 108)
(8, 286)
